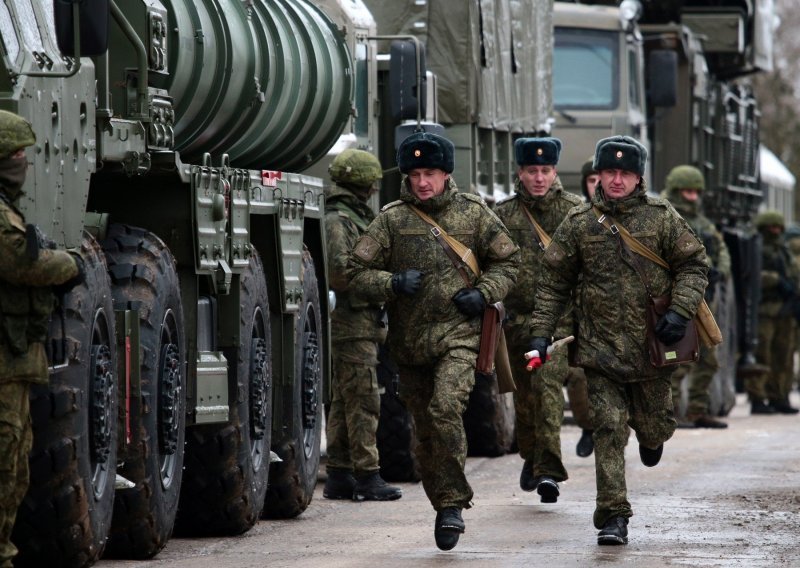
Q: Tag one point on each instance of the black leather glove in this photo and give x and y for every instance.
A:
(407, 282)
(540, 344)
(711, 289)
(76, 280)
(671, 327)
(469, 302)
(713, 276)
(786, 288)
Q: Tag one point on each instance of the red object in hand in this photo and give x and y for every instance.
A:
(535, 362)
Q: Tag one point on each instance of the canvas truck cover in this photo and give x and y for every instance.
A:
(492, 58)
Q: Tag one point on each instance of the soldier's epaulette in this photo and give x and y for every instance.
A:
(658, 201)
(473, 197)
(571, 197)
(509, 198)
(581, 207)
(392, 204)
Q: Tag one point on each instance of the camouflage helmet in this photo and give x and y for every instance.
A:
(15, 133)
(685, 177)
(768, 218)
(355, 167)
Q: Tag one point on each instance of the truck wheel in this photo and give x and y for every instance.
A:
(144, 276)
(227, 464)
(395, 436)
(66, 515)
(489, 420)
(292, 480)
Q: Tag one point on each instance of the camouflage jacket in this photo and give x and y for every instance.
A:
(548, 210)
(705, 230)
(26, 300)
(611, 336)
(424, 326)
(777, 262)
(355, 318)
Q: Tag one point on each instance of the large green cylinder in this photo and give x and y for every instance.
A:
(267, 82)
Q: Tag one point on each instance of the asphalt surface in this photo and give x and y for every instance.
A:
(718, 498)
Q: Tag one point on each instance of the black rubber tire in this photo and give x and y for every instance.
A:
(227, 465)
(66, 515)
(489, 420)
(144, 275)
(292, 480)
(395, 436)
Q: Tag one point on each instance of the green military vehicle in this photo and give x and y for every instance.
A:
(673, 74)
(188, 372)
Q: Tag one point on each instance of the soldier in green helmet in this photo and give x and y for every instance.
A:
(780, 277)
(29, 275)
(357, 327)
(683, 188)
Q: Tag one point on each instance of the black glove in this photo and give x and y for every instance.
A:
(711, 289)
(407, 282)
(786, 288)
(469, 302)
(671, 328)
(76, 280)
(713, 276)
(540, 344)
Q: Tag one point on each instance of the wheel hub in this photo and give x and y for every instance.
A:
(259, 387)
(310, 380)
(102, 401)
(170, 391)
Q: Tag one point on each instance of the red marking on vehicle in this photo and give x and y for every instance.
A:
(270, 177)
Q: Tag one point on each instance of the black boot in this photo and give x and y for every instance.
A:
(449, 526)
(615, 531)
(372, 487)
(649, 457)
(339, 485)
(759, 407)
(585, 445)
(548, 489)
(783, 407)
(526, 480)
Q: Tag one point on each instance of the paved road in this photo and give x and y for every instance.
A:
(718, 498)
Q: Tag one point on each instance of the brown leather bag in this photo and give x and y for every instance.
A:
(491, 327)
(686, 350)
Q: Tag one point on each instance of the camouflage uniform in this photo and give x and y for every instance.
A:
(356, 330)
(539, 398)
(624, 388)
(701, 373)
(435, 344)
(26, 301)
(780, 276)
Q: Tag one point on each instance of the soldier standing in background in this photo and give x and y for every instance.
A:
(29, 275)
(624, 387)
(589, 179)
(531, 215)
(357, 327)
(435, 315)
(780, 276)
(683, 187)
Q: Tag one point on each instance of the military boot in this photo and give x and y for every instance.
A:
(707, 421)
(615, 531)
(760, 407)
(548, 489)
(585, 445)
(783, 407)
(372, 487)
(526, 480)
(339, 485)
(650, 457)
(448, 527)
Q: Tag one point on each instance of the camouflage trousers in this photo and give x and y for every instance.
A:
(353, 416)
(539, 406)
(646, 407)
(700, 376)
(578, 395)
(437, 396)
(16, 439)
(775, 350)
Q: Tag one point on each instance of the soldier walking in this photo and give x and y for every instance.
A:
(29, 275)
(538, 206)
(357, 327)
(624, 387)
(684, 186)
(435, 314)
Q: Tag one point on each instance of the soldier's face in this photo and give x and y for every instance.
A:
(537, 180)
(591, 184)
(690, 194)
(427, 182)
(618, 183)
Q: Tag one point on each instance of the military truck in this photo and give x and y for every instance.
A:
(187, 374)
(673, 74)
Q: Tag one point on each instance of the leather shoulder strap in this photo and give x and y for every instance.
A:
(461, 254)
(539, 234)
(635, 245)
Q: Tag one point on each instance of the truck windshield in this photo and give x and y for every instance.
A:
(585, 69)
